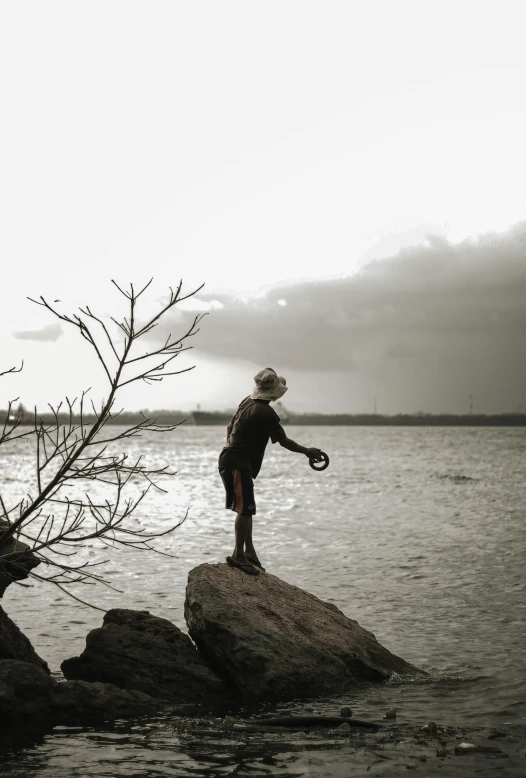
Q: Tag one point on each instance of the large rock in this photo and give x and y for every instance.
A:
(135, 650)
(15, 645)
(16, 559)
(266, 638)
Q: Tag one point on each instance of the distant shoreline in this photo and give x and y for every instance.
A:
(400, 420)
(222, 418)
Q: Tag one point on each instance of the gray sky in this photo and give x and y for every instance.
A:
(271, 151)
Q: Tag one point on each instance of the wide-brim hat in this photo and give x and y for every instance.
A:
(269, 385)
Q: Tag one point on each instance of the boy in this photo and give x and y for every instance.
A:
(252, 426)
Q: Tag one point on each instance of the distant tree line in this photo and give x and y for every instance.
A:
(124, 418)
(410, 419)
(211, 418)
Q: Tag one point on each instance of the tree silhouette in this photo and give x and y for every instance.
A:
(75, 449)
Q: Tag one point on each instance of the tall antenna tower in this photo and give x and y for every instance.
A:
(375, 406)
(471, 405)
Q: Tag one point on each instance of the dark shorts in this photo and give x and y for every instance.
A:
(239, 488)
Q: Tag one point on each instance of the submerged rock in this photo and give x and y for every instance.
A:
(15, 645)
(431, 728)
(266, 638)
(80, 701)
(135, 650)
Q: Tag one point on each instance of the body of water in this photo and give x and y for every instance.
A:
(417, 533)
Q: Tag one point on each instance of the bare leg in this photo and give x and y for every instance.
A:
(242, 526)
(249, 548)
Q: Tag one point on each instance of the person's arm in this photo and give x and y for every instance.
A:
(278, 435)
(291, 445)
(228, 431)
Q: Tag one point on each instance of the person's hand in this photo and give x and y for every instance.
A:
(314, 453)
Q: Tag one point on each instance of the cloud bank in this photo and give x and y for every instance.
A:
(446, 318)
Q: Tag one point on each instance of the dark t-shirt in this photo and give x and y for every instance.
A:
(253, 424)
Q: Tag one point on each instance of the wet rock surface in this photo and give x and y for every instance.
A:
(266, 638)
(135, 650)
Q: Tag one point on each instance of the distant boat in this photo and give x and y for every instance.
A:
(212, 417)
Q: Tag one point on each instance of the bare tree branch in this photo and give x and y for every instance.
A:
(13, 370)
(73, 447)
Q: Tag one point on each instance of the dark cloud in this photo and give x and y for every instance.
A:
(445, 317)
(49, 333)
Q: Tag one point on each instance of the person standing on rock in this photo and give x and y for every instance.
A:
(252, 426)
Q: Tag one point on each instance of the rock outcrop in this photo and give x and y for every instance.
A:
(29, 696)
(266, 638)
(15, 645)
(135, 650)
(16, 559)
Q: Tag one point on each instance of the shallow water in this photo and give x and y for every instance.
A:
(418, 533)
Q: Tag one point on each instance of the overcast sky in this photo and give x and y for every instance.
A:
(346, 178)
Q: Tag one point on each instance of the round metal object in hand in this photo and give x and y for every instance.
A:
(321, 462)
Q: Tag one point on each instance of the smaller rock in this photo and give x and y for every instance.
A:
(431, 728)
(25, 692)
(496, 733)
(137, 651)
(229, 721)
(346, 712)
(391, 714)
(343, 727)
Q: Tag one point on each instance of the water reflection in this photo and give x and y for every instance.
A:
(201, 747)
